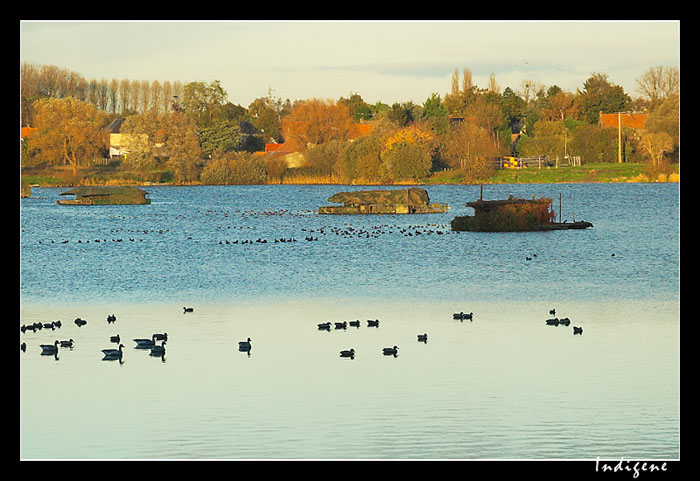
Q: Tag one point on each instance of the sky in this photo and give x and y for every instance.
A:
(382, 61)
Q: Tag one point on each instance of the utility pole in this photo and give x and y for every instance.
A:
(619, 137)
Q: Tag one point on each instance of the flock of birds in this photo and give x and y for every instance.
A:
(243, 346)
(564, 321)
(109, 354)
(393, 351)
(350, 353)
(347, 231)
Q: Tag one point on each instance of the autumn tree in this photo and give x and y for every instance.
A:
(362, 160)
(594, 143)
(69, 131)
(182, 146)
(139, 135)
(359, 109)
(666, 118)
(470, 149)
(317, 121)
(459, 99)
(407, 154)
(547, 137)
(203, 102)
(266, 115)
(561, 105)
(322, 159)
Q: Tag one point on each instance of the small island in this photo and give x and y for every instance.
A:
(401, 201)
(513, 215)
(105, 196)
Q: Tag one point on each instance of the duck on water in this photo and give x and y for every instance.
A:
(113, 353)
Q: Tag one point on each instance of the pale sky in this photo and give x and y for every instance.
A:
(387, 61)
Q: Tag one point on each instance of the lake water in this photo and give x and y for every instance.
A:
(502, 386)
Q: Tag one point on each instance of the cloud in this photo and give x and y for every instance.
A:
(382, 61)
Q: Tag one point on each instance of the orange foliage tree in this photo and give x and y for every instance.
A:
(407, 154)
(67, 130)
(315, 121)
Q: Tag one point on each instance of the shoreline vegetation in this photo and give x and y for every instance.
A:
(588, 173)
(140, 133)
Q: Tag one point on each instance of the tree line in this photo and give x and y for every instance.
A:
(192, 133)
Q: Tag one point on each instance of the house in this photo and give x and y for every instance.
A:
(633, 120)
(289, 149)
(25, 132)
(118, 142)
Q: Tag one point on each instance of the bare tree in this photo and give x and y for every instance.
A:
(156, 96)
(659, 82)
(145, 95)
(167, 95)
(125, 95)
(492, 85)
(103, 94)
(467, 82)
(113, 95)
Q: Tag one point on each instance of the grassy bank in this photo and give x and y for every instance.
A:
(592, 173)
(602, 172)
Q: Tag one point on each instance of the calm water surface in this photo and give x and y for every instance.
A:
(503, 386)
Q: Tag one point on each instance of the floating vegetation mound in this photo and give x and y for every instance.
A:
(512, 215)
(396, 201)
(105, 196)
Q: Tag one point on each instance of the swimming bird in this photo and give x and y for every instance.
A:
(244, 345)
(422, 338)
(390, 351)
(158, 350)
(58, 323)
(145, 343)
(341, 325)
(114, 338)
(552, 322)
(161, 337)
(350, 353)
(111, 318)
(355, 323)
(49, 348)
(68, 343)
(49, 325)
(80, 322)
(564, 321)
(371, 323)
(23, 347)
(324, 326)
(552, 312)
(188, 309)
(113, 353)
(578, 330)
